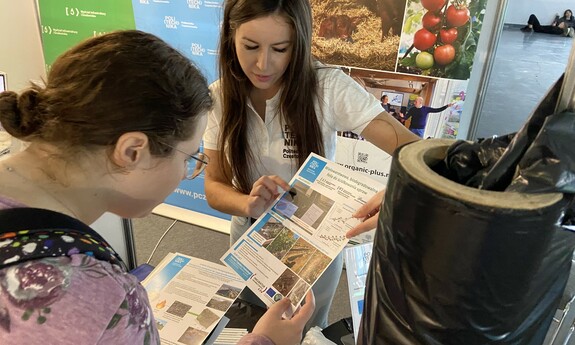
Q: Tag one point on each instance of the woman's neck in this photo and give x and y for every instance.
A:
(259, 98)
(40, 178)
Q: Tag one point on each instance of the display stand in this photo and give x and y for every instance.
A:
(119, 233)
(195, 218)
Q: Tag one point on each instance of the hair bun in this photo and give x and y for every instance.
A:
(17, 114)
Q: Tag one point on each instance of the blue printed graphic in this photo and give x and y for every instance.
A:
(312, 169)
(192, 27)
(191, 195)
(167, 273)
(360, 306)
(237, 266)
(271, 292)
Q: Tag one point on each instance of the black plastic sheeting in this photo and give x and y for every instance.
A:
(450, 271)
(549, 163)
(445, 271)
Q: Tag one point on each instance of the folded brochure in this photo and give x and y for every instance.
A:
(289, 247)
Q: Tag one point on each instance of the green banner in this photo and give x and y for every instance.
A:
(67, 22)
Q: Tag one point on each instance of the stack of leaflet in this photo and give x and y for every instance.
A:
(357, 260)
(189, 298)
(230, 336)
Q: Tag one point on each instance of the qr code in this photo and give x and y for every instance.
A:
(362, 157)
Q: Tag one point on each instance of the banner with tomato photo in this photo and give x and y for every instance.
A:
(439, 37)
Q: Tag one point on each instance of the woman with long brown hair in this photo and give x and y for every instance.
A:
(273, 106)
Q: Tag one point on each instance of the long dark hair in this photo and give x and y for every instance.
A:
(299, 86)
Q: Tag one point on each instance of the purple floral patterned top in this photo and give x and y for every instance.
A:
(71, 300)
(75, 299)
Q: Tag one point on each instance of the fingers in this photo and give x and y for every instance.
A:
(277, 309)
(365, 226)
(306, 311)
(372, 204)
(280, 182)
(270, 183)
(262, 192)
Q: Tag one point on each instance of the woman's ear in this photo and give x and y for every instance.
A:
(131, 148)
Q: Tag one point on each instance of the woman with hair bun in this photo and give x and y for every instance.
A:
(115, 129)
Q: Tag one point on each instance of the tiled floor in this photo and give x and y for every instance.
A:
(526, 65)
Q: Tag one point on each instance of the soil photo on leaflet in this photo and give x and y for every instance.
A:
(298, 256)
(179, 309)
(207, 318)
(439, 37)
(282, 243)
(219, 303)
(269, 231)
(193, 336)
(309, 205)
(228, 291)
(315, 267)
(286, 282)
(357, 33)
(298, 292)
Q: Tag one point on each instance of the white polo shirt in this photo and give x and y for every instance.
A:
(342, 105)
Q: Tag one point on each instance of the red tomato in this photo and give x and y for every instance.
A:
(431, 20)
(457, 16)
(433, 5)
(444, 54)
(448, 36)
(423, 39)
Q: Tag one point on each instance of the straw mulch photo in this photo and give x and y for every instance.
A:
(364, 48)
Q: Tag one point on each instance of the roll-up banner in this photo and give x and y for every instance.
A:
(192, 27)
(65, 23)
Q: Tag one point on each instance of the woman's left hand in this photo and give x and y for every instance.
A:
(369, 214)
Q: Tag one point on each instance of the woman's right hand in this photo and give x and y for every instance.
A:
(263, 193)
(280, 331)
(369, 214)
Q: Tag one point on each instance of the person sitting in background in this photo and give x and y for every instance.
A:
(561, 25)
(418, 114)
(115, 129)
(385, 103)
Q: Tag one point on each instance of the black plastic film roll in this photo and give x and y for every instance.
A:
(458, 265)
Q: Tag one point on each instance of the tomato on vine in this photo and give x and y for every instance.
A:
(424, 60)
(457, 14)
(444, 54)
(423, 39)
(431, 20)
(433, 5)
(449, 35)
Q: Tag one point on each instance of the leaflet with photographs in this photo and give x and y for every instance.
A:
(289, 247)
(189, 297)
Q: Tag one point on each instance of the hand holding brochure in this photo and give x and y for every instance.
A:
(288, 248)
(189, 297)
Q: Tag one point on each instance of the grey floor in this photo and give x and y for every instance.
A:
(526, 66)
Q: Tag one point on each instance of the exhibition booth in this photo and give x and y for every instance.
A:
(399, 62)
(47, 28)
